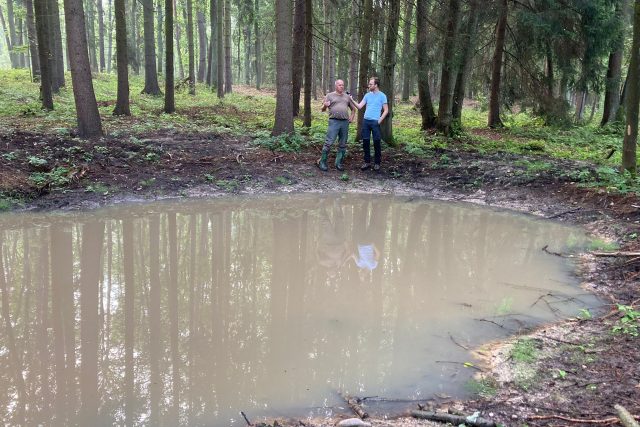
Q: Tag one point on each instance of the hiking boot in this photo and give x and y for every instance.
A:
(365, 166)
(339, 158)
(376, 167)
(322, 163)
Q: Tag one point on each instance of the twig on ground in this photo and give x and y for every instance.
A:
(354, 405)
(616, 254)
(574, 420)
(564, 213)
(245, 418)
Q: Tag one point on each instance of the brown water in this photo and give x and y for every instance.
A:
(187, 313)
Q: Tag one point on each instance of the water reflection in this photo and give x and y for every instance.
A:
(174, 314)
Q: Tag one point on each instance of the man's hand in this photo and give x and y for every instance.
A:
(351, 119)
(327, 103)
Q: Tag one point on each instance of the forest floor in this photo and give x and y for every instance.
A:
(575, 371)
(581, 368)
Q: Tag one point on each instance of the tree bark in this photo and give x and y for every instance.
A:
(496, 69)
(220, 50)
(212, 68)
(424, 94)
(178, 35)
(151, 85)
(7, 37)
(133, 60)
(91, 35)
(55, 46)
(159, 39)
(406, 55)
(169, 94)
(365, 59)
(298, 47)
(629, 160)
(202, 47)
(467, 46)
(12, 34)
(122, 101)
(101, 36)
(110, 39)
(353, 54)
(89, 124)
(308, 60)
(256, 30)
(448, 69)
(33, 41)
(614, 70)
(388, 67)
(191, 48)
(284, 109)
(43, 52)
(228, 77)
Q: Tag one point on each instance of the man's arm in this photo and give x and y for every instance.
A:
(325, 104)
(385, 111)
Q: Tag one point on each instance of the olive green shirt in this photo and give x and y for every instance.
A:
(340, 105)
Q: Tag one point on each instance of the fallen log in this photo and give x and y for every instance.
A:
(453, 419)
(616, 254)
(354, 404)
(626, 418)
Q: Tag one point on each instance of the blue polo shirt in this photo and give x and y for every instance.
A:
(374, 102)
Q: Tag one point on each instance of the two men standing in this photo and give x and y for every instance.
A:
(376, 111)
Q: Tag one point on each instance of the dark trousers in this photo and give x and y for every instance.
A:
(371, 127)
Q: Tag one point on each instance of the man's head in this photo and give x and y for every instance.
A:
(339, 86)
(374, 83)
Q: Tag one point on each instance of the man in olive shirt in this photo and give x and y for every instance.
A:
(341, 113)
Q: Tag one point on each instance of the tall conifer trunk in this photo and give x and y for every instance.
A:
(284, 108)
(388, 67)
(308, 60)
(448, 69)
(298, 59)
(191, 48)
(629, 159)
(424, 94)
(496, 69)
(122, 101)
(169, 95)
(150, 72)
(33, 41)
(365, 58)
(228, 77)
(43, 52)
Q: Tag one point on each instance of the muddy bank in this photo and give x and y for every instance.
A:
(581, 368)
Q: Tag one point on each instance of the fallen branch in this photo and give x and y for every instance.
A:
(465, 364)
(245, 418)
(574, 420)
(354, 404)
(453, 419)
(616, 254)
(544, 249)
(626, 418)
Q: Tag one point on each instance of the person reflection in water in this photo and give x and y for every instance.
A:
(333, 251)
(367, 256)
(368, 232)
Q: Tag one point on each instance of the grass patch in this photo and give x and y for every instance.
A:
(525, 350)
(484, 387)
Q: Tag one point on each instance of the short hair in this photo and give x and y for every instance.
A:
(376, 80)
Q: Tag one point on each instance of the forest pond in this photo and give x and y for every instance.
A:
(188, 312)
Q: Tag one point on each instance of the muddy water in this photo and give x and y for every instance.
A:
(187, 313)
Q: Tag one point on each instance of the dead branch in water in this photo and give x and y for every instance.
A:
(453, 419)
(354, 404)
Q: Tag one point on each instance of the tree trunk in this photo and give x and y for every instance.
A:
(134, 62)
(247, 54)
(424, 94)
(220, 50)
(202, 47)
(91, 35)
(325, 84)
(12, 34)
(191, 48)
(151, 85)
(159, 39)
(308, 60)
(406, 56)
(122, 101)
(228, 78)
(89, 124)
(7, 37)
(33, 41)
(365, 58)
(212, 68)
(629, 160)
(169, 94)
(110, 40)
(614, 69)
(353, 54)
(496, 69)
(101, 36)
(284, 109)
(55, 46)
(256, 30)
(468, 47)
(298, 47)
(388, 67)
(448, 69)
(178, 34)
(43, 51)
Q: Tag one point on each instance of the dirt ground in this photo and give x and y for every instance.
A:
(583, 369)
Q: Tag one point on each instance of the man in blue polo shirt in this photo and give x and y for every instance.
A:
(376, 111)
